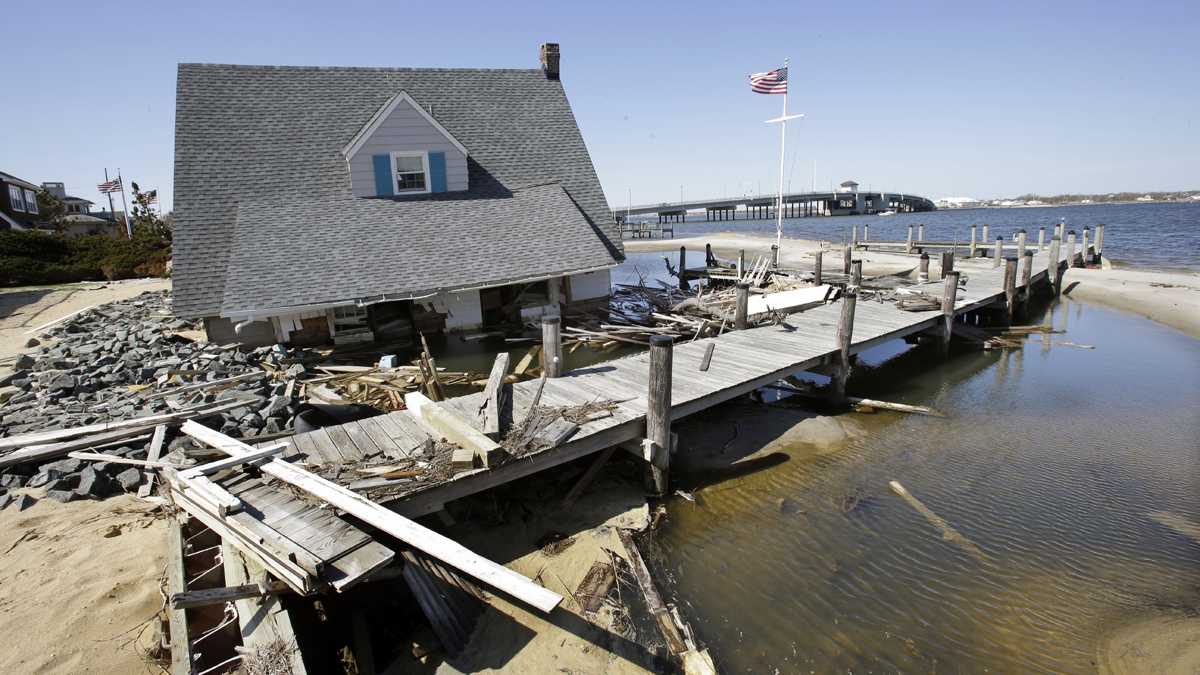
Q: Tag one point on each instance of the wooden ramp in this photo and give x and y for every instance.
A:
(742, 361)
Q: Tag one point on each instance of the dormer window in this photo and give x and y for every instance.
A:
(410, 172)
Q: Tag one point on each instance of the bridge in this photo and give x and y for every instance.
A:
(795, 205)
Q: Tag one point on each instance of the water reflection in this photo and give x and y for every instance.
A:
(1050, 467)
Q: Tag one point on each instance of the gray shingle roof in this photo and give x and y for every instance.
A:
(260, 183)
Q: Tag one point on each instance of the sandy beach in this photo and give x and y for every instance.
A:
(1170, 298)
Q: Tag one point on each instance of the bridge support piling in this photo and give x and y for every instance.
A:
(658, 412)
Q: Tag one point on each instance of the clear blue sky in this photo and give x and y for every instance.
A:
(945, 99)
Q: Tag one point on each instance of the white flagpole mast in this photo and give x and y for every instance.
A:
(782, 119)
(782, 146)
(125, 205)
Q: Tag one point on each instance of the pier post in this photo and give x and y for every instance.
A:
(1053, 271)
(845, 331)
(971, 251)
(741, 263)
(1010, 286)
(774, 257)
(1083, 247)
(742, 306)
(947, 263)
(709, 258)
(551, 346)
(949, 295)
(984, 239)
(817, 268)
(856, 273)
(923, 270)
(921, 232)
(1026, 280)
(854, 235)
(1071, 248)
(1042, 238)
(999, 253)
(1021, 244)
(1099, 248)
(866, 233)
(683, 283)
(658, 410)
(908, 241)
(846, 259)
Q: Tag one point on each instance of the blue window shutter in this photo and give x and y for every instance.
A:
(383, 176)
(437, 172)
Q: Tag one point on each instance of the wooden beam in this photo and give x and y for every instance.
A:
(586, 479)
(411, 533)
(492, 397)
(230, 462)
(181, 645)
(220, 596)
(156, 444)
(444, 422)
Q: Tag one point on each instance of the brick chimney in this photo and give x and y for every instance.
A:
(548, 54)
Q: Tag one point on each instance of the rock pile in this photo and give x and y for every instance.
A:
(122, 360)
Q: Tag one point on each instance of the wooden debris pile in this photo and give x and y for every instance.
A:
(548, 426)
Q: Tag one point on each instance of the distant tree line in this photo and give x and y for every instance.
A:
(1185, 195)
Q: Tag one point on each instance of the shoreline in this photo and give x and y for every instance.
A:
(1168, 298)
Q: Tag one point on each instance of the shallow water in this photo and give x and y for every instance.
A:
(1151, 236)
(1050, 461)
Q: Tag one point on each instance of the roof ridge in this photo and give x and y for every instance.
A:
(375, 69)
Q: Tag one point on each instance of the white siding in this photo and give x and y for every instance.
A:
(405, 129)
(462, 308)
(590, 285)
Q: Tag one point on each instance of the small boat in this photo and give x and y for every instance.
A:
(889, 212)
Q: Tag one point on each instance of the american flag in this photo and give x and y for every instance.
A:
(151, 197)
(773, 82)
(113, 185)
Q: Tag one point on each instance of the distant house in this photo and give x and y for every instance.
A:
(372, 203)
(79, 219)
(18, 204)
(848, 186)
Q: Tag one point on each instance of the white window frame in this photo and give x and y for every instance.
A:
(424, 155)
(16, 198)
(31, 206)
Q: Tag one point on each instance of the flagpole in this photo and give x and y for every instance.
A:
(125, 205)
(782, 146)
(112, 211)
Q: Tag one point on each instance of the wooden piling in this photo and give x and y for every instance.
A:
(856, 273)
(999, 252)
(984, 239)
(949, 295)
(923, 270)
(743, 304)
(846, 254)
(866, 233)
(908, 241)
(1021, 244)
(551, 346)
(1071, 249)
(1083, 247)
(1010, 287)
(854, 235)
(1099, 248)
(921, 232)
(741, 263)
(1042, 238)
(1053, 271)
(1026, 279)
(709, 258)
(971, 250)
(817, 268)
(658, 410)
(683, 283)
(845, 331)
(947, 262)
(774, 256)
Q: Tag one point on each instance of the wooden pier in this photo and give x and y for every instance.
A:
(700, 374)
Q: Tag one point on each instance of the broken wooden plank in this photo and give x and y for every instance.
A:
(224, 594)
(181, 645)
(152, 455)
(492, 395)
(707, 359)
(443, 421)
(948, 532)
(411, 533)
(556, 433)
(230, 462)
(117, 459)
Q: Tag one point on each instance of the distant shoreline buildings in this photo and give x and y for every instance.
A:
(1186, 196)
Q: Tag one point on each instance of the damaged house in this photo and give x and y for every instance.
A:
(369, 204)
